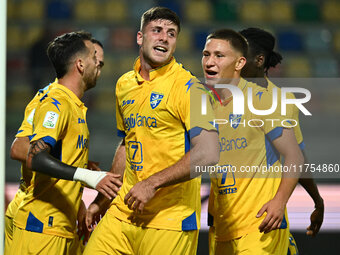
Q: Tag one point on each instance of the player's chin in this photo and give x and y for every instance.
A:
(91, 84)
(211, 81)
(161, 60)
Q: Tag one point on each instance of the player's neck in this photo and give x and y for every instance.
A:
(73, 84)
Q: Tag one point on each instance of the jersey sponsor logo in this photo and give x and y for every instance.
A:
(227, 181)
(30, 117)
(81, 121)
(232, 144)
(83, 142)
(235, 119)
(140, 121)
(51, 119)
(225, 191)
(155, 99)
(135, 167)
(126, 102)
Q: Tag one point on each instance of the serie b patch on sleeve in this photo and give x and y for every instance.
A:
(50, 120)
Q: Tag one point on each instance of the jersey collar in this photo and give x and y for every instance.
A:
(69, 93)
(154, 73)
(242, 84)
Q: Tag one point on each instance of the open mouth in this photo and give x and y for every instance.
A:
(160, 49)
(211, 73)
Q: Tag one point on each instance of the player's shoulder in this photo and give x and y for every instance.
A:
(261, 97)
(184, 80)
(58, 97)
(126, 78)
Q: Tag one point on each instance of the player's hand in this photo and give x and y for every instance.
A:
(93, 216)
(139, 195)
(93, 165)
(81, 227)
(275, 210)
(316, 219)
(109, 185)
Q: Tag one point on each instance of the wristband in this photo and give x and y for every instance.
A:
(89, 177)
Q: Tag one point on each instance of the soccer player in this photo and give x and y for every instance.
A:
(248, 140)
(45, 221)
(158, 206)
(261, 57)
(98, 46)
(19, 150)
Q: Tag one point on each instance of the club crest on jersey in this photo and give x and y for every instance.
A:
(155, 99)
(235, 120)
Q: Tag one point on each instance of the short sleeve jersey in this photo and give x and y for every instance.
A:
(51, 205)
(245, 144)
(156, 121)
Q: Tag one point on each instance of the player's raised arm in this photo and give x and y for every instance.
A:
(40, 160)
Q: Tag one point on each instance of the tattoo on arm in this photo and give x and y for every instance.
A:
(38, 146)
(35, 148)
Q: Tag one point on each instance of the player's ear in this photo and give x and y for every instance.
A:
(259, 60)
(80, 65)
(240, 63)
(139, 38)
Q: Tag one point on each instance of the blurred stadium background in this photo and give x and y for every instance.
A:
(308, 37)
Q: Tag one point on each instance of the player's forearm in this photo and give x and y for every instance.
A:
(102, 202)
(203, 153)
(307, 182)
(179, 172)
(310, 186)
(19, 149)
(39, 159)
(286, 189)
(289, 178)
(118, 163)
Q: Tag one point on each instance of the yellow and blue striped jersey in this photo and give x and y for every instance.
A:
(51, 205)
(156, 118)
(25, 130)
(245, 146)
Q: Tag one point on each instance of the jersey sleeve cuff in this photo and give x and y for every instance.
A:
(275, 133)
(121, 133)
(195, 132)
(302, 145)
(49, 140)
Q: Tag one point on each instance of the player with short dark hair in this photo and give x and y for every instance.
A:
(239, 198)
(158, 207)
(45, 222)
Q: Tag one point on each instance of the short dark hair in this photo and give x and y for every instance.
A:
(262, 42)
(236, 40)
(156, 13)
(95, 41)
(61, 49)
